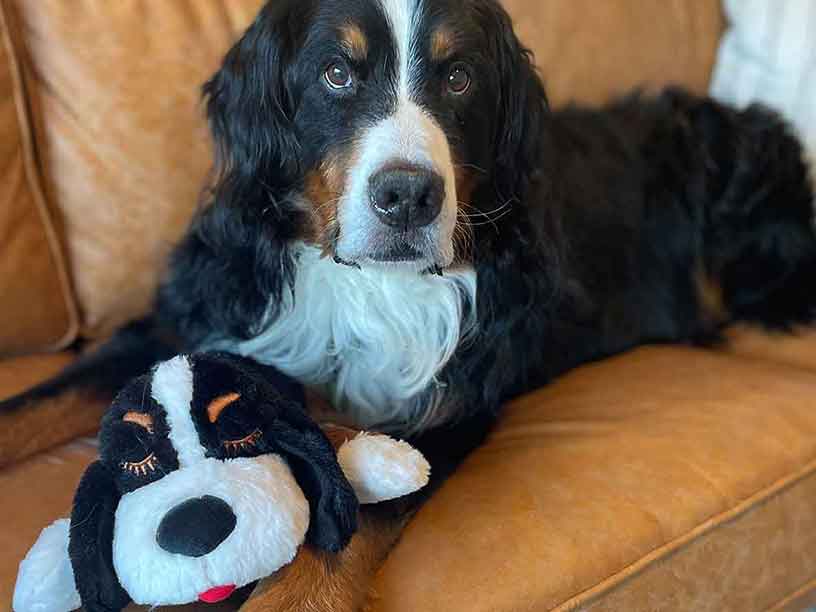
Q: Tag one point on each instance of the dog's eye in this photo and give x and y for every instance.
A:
(338, 76)
(459, 79)
(233, 447)
(146, 466)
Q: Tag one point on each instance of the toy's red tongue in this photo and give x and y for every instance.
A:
(217, 595)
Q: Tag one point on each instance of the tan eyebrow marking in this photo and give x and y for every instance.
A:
(442, 41)
(354, 40)
(218, 405)
(139, 418)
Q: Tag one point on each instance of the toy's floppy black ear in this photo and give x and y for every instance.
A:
(333, 504)
(91, 542)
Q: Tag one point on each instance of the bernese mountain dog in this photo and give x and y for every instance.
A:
(400, 221)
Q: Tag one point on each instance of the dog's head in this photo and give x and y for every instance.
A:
(378, 130)
(211, 477)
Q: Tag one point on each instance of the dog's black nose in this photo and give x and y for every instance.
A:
(407, 196)
(196, 527)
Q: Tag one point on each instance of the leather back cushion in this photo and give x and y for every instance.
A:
(36, 307)
(590, 50)
(122, 135)
(127, 151)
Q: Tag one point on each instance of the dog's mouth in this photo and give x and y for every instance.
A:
(396, 255)
(398, 252)
(409, 250)
(217, 594)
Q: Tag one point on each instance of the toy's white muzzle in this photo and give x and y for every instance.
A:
(271, 520)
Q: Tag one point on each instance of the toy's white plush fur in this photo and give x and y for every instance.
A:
(381, 468)
(173, 390)
(272, 519)
(376, 338)
(45, 582)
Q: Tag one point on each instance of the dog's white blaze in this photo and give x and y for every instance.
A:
(173, 389)
(404, 17)
(375, 338)
(409, 134)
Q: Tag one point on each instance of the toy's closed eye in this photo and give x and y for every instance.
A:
(246, 443)
(146, 466)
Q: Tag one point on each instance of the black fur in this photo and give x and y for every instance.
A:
(91, 542)
(610, 218)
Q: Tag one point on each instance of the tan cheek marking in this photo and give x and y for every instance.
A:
(355, 41)
(442, 44)
(218, 405)
(324, 213)
(324, 188)
(141, 419)
(466, 182)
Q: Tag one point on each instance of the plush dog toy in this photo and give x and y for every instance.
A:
(210, 477)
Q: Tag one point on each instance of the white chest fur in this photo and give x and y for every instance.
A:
(375, 338)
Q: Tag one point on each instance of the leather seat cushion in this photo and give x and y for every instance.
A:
(666, 479)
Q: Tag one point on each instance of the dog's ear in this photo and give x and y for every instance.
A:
(522, 101)
(234, 261)
(250, 102)
(333, 505)
(91, 542)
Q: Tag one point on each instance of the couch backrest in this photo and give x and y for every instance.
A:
(123, 146)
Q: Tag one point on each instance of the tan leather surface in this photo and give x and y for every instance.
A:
(590, 50)
(35, 301)
(35, 494)
(668, 473)
(28, 431)
(122, 135)
(126, 148)
(796, 349)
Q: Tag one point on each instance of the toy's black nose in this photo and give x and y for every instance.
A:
(407, 196)
(196, 527)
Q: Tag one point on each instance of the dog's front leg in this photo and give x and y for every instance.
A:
(319, 582)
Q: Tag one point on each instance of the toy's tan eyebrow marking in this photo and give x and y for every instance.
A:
(218, 405)
(139, 418)
(354, 40)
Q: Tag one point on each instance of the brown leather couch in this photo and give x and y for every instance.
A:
(671, 478)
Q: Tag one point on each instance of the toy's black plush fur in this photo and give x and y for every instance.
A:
(91, 542)
(653, 219)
